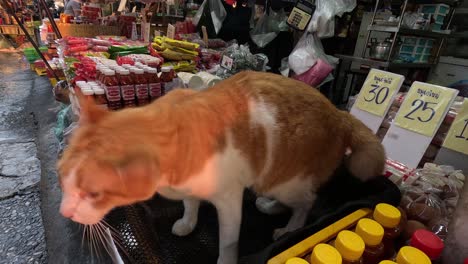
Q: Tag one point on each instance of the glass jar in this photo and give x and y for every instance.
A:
(166, 80)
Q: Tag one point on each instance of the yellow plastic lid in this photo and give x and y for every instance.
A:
(411, 255)
(350, 245)
(325, 254)
(387, 262)
(387, 215)
(296, 261)
(370, 231)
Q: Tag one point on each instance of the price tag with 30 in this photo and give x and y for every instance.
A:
(424, 108)
(457, 137)
(378, 91)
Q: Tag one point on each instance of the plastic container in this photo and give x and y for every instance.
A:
(154, 83)
(372, 233)
(351, 247)
(141, 87)
(411, 255)
(387, 262)
(112, 88)
(325, 254)
(389, 217)
(127, 86)
(428, 243)
(166, 80)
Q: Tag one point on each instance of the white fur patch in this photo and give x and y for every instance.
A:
(264, 115)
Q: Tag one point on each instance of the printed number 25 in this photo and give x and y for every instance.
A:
(420, 104)
(376, 94)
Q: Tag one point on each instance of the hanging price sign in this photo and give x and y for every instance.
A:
(376, 97)
(457, 137)
(424, 108)
(378, 91)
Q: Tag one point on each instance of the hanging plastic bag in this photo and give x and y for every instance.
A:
(217, 11)
(268, 27)
(323, 19)
(306, 54)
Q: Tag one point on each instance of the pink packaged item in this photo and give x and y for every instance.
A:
(316, 74)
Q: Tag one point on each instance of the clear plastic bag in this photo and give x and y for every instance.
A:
(217, 11)
(307, 52)
(268, 27)
(323, 20)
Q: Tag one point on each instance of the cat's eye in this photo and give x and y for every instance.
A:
(94, 195)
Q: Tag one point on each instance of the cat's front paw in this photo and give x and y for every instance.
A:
(227, 260)
(182, 227)
(279, 232)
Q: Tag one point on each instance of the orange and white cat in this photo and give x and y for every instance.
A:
(273, 134)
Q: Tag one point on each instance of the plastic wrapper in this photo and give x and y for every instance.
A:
(243, 59)
(316, 74)
(268, 27)
(61, 92)
(323, 19)
(217, 11)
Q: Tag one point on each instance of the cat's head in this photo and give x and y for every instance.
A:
(106, 165)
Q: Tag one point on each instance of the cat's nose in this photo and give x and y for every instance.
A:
(66, 212)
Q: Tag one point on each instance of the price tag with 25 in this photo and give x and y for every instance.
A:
(424, 108)
(457, 137)
(378, 91)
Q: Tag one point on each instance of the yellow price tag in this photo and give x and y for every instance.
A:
(378, 90)
(457, 137)
(424, 108)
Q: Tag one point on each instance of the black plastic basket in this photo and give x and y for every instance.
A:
(146, 227)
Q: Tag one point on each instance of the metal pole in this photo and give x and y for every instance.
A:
(370, 31)
(398, 29)
(51, 19)
(10, 10)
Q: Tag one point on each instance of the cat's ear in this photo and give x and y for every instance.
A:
(139, 174)
(89, 111)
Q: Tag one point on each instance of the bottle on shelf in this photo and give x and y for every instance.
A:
(325, 254)
(372, 233)
(154, 83)
(141, 87)
(389, 217)
(127, 86)
(351, 247)
(112, 88)
(166, 80)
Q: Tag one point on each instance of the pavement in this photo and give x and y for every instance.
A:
(22, 238)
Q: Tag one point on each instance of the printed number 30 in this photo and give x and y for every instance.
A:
(376, 94)
(420, 104)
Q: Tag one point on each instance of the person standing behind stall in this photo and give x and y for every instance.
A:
(72, 5)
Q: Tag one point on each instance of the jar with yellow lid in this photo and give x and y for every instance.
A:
(372, 233)
(411, 255)
(351, 246)
(296, 261)
(389, 217)
(387, 262)
(325, 254)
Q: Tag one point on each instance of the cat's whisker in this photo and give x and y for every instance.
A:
(114, 236)
(96, 242)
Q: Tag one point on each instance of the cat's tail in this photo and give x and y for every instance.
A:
(367, 158)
